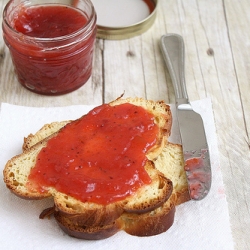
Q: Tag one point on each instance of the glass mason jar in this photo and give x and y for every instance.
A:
(56, 63)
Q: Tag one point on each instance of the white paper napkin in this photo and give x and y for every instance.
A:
(198, 224)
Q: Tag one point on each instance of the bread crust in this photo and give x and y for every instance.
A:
(45, 131)
(152, 223)
(86, 233)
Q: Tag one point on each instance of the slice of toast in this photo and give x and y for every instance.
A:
(169, 162)
(154, 222)
(88, 215)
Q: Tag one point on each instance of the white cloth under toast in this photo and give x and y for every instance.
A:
(198, 224)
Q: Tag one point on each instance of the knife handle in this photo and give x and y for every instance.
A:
(173, 51)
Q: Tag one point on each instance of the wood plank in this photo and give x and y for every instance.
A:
(238, 21)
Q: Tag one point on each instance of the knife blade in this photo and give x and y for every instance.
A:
(191, 126)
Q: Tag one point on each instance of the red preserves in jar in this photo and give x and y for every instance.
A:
(51, 44)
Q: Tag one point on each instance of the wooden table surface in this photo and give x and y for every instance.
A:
(217, 40)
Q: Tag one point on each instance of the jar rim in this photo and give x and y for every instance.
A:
(50, 39)
(125, 32)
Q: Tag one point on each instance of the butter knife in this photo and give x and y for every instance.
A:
(193, 137)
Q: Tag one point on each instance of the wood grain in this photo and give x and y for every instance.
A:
(217, 41)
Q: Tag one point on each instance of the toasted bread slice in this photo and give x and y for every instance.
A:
(169, 162)
(154, 222)
(147, 198)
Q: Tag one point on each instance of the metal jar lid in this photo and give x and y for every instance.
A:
(119, 32)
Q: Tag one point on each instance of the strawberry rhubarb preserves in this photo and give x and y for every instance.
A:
(51, 44)
(100, 157)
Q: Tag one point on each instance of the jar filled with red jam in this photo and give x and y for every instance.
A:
(51, 43)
